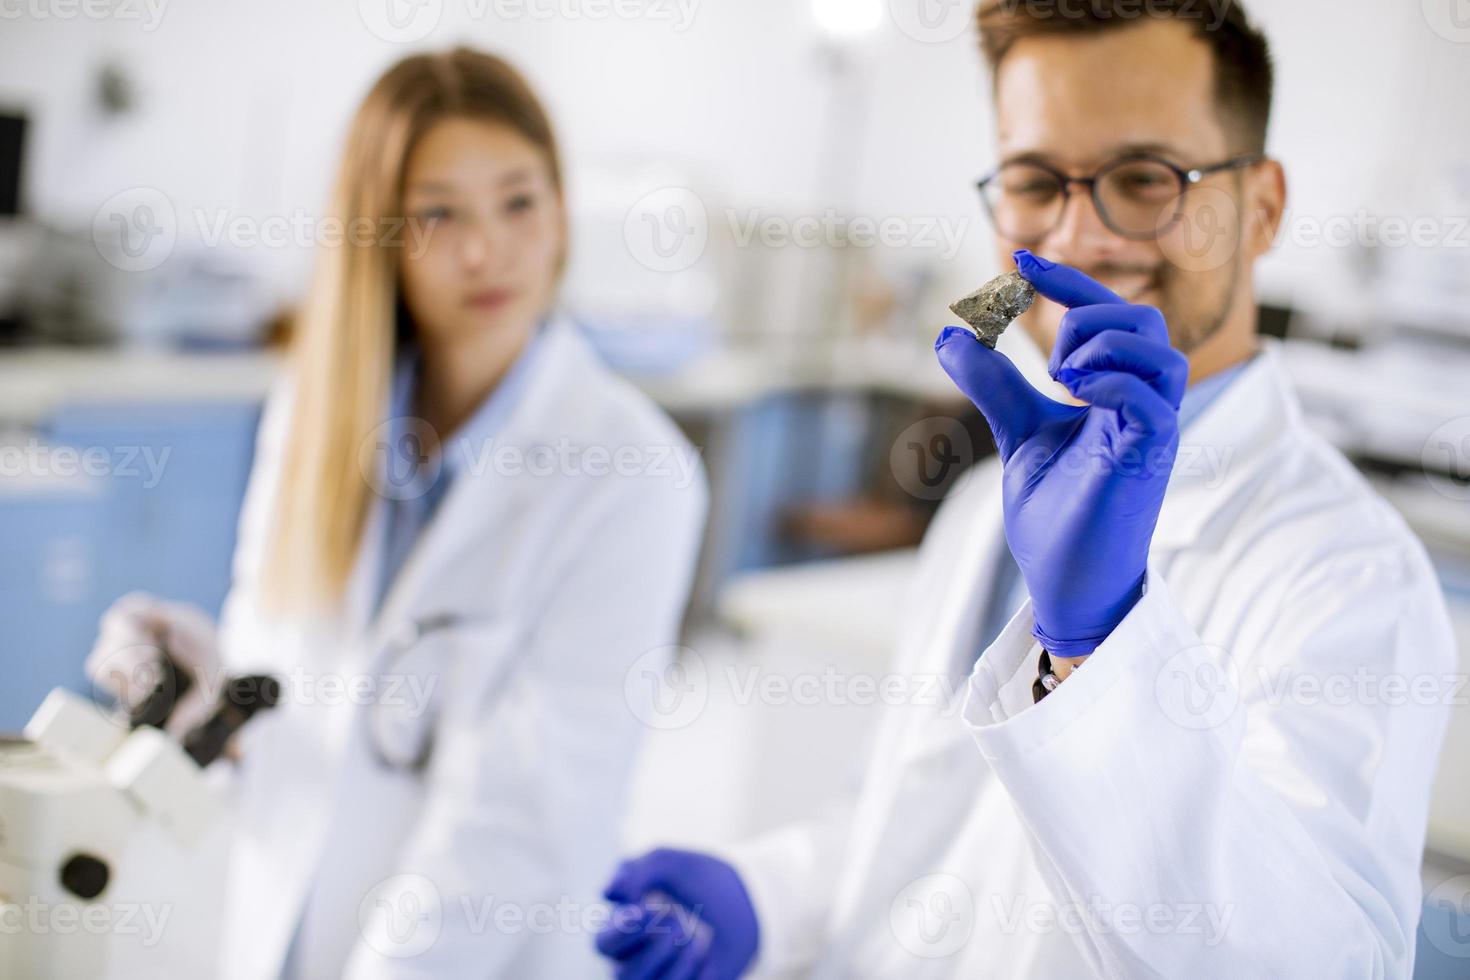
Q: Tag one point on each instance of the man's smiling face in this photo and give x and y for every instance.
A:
(1075, 103)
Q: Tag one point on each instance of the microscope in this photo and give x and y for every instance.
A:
(80, 793)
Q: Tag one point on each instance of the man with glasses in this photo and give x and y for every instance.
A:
(1213, 667)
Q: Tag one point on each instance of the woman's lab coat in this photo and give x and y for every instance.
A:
(1182, 806)
(562, 572)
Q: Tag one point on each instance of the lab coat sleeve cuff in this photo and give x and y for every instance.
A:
(1126, 674)
(776, 873)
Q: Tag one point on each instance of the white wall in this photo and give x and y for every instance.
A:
(1371, 112)
(242, 106)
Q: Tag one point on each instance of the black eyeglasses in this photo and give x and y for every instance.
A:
(1138, 196)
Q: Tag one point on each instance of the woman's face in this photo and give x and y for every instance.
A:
(492, 230)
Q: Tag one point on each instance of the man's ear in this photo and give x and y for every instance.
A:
(1265, 200)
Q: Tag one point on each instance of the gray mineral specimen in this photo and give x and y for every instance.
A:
(992, 307)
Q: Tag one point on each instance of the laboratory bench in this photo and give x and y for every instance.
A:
(175, 433)
(796, 439)
(780, 430)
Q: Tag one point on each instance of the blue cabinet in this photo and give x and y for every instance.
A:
(152, 505)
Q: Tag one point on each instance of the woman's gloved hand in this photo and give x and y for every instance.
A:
(681, 916)
(127, 658)
(1082, 485)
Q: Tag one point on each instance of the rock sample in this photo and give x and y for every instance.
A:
(992, 307)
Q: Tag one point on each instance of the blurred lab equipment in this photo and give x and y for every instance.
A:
(88, 797)
(14, 232)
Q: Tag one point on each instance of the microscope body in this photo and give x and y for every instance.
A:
(79, 794)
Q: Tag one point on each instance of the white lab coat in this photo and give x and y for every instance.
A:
(560, 583)
(1128, 825)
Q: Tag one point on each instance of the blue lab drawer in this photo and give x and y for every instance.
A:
(161, 519)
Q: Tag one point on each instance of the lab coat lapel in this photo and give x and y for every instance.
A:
(316, 740)
(480, 499)
(1224, 448)
(963, 597)
(922, 748)
(950, 605)
(450, 556)
(360, 595)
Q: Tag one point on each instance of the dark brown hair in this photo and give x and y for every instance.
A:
(1244, 76)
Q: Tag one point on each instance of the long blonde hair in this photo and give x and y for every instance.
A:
(353, 318)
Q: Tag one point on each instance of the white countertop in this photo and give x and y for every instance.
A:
(853, 602)
(35, 381)
(731, 377)
(1383, 402)
(1386, 402)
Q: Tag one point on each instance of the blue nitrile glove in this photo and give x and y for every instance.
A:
(710, 933)
(1082, 485)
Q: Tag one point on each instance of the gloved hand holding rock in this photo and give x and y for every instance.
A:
(1082, 485)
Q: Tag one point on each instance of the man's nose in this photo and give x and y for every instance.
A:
(1081, 238)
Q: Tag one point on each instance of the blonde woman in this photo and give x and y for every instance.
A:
(464, 543)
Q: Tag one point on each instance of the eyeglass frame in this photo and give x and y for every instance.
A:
(1188, 179)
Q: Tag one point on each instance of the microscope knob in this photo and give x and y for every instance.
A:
(85, 876)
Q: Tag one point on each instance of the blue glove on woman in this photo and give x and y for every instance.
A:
(1082, 485)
